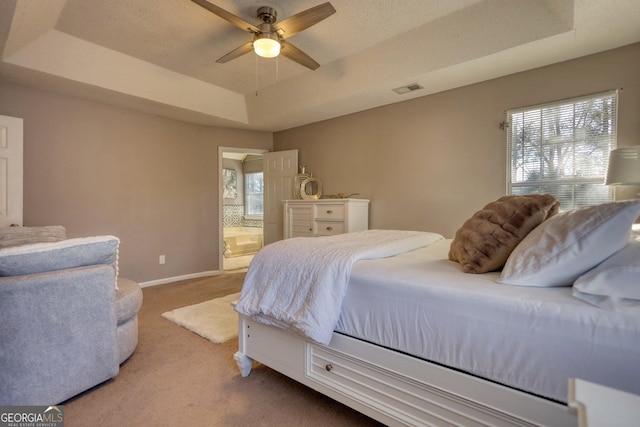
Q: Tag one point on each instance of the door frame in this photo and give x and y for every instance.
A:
(12, 170)
(221, 151)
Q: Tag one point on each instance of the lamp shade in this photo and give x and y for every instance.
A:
(624, 166)
(267, 45)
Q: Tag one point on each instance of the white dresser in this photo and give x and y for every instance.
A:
(325, 217)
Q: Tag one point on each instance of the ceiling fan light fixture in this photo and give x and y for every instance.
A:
(266, 45)
(269, 35)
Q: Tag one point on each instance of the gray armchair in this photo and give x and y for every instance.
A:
(64, 327)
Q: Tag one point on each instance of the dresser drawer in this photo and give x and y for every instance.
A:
(326, 217)
(301, 230)
(329, 211)
(328, 228)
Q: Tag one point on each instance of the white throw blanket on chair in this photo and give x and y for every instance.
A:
(299, 284)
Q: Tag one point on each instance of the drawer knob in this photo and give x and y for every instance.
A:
(329, 228)
(329, 211)
(328, 367)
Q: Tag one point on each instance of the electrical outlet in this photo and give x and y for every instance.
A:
(162, 259)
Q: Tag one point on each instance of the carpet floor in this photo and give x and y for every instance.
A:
(177, 378)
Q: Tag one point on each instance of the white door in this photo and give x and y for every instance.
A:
(10, 171)
(280, 168)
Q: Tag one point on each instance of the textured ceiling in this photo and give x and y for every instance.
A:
(158, 56)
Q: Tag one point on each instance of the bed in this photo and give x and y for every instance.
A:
(419, 342)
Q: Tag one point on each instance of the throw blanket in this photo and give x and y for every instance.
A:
(299, 284)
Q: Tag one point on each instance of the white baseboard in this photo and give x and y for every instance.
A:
(179, 278)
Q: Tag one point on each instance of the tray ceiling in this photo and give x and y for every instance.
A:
(160, 56)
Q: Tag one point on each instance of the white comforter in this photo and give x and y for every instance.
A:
(299, 284)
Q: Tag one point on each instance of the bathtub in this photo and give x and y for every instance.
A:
(240, 241)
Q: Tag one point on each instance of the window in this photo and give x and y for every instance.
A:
(562, 149)
(253, 189)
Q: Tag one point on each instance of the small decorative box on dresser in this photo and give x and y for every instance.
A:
(325, 217)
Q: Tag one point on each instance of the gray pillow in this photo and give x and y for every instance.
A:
(16, 236)
(43, 257)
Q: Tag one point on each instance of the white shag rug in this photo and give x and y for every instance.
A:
(215, 320)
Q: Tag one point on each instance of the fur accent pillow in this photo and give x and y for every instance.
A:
(485, 241)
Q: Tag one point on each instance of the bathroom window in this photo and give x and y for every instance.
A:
(253, 191)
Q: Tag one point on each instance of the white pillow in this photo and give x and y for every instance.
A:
(569, 244)
(614, 284)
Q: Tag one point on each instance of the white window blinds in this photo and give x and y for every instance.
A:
(253, 194)
(562, 149)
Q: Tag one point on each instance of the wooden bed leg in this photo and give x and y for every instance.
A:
(244, 363)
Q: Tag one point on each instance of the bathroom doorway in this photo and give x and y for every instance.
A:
(241, 206)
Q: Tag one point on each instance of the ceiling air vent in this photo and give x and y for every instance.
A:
(408, 88)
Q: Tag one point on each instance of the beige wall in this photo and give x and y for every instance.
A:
(426, 164)
(151, 181)
(429, 163)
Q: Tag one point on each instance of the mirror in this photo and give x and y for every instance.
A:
(311, 189)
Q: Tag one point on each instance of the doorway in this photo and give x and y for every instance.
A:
(241, 201)
(11, 167)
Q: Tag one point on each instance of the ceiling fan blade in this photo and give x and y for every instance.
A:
(303, 20)
(245, 48)
(238, 22)
(296, 55)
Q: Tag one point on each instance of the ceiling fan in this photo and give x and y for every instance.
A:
(269, 37)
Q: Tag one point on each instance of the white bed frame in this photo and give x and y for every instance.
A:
(391, 387)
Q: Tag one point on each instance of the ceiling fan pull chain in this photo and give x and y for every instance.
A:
(256, 56)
